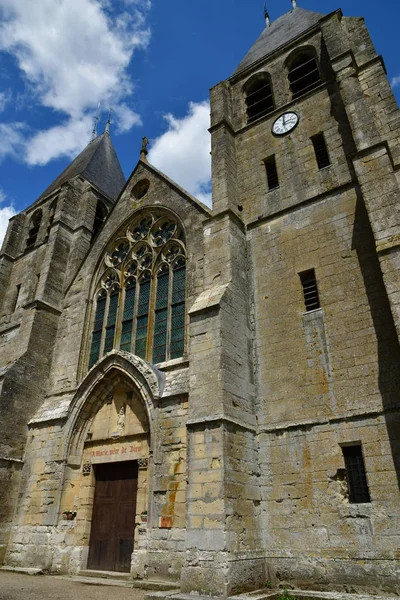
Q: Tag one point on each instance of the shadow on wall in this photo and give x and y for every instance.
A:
(388, 344)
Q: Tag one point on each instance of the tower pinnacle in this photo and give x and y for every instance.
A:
(294, 3)
(107, 130)
(266, 15)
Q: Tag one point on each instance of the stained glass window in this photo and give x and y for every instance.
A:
(111, 320)
(98, 328)
(127, 319)
(178, 310)
(142, 319)
(161, 316)
(141, 291)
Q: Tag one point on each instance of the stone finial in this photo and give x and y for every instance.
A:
(107, 130)
(266, 16)
(143, 151)
(294, 3)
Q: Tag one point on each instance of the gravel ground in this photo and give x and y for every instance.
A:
(15, 586)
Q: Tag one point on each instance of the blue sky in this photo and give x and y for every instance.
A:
(153, 61)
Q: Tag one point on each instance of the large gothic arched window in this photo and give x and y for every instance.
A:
(140, 296)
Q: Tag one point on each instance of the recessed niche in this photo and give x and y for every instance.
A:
(140, 189)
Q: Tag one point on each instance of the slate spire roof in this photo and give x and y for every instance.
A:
(99, 164)
(285, 29)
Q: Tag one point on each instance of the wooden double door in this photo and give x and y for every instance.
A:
(113, 520)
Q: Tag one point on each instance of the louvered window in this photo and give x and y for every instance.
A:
(272, 173)
(356, 475)
(259, 97)
(303, 74)
(34, 227)
(321, 151)
(141, 300)
(310, 290)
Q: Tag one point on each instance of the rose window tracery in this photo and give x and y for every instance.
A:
(140, 295)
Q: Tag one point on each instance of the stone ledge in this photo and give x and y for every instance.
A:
(27, 571)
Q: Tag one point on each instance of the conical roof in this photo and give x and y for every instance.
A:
(99, 164)
(285, 29)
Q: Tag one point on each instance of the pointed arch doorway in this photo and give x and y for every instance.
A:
(107, 475)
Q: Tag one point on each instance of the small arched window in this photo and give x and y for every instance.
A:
(34, 226)
(303, 73)
(99, 218)
(140, 298)
(50, 219)
(259, 98)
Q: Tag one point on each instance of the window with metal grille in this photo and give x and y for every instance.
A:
(310, 290)
(259, 98)
(98, 328)
(321, 151)
(356, 475)
(303, 74)
(111, 319)
(140, 304)
(272, 173)
(142, 320)
(34, 227)
(128, 315)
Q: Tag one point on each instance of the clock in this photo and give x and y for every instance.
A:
(285, 123)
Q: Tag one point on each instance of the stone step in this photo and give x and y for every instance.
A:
(105, 574)
(93, 577)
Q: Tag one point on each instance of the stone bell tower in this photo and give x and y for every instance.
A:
(301, 276)
(42, 250)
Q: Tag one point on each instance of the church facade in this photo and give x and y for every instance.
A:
(211, 397)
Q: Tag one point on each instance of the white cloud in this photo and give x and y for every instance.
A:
(183, 151)
(126, 118)
(74, 54)
(5, 213)
(12, 139)
(395, 81)
(5, 98)
(64, 140)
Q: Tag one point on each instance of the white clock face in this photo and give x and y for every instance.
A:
(285, 123)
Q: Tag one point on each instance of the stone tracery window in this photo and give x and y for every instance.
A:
(140, 297)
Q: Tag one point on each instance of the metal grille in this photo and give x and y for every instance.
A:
(162, 290)
(126, 335)
(97, 330)
(272, 173)
(321, 151)
(310, 290)
(100, 310)
(259, 101)
(142, 320)
(179, 284)
(127, 323)
(304, 76)
(160, 335)
(177, 330)
(356, 476)
(161, 319)
(111, 320)
(95, 348)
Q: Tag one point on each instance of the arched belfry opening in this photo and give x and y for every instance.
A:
(106, 482)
